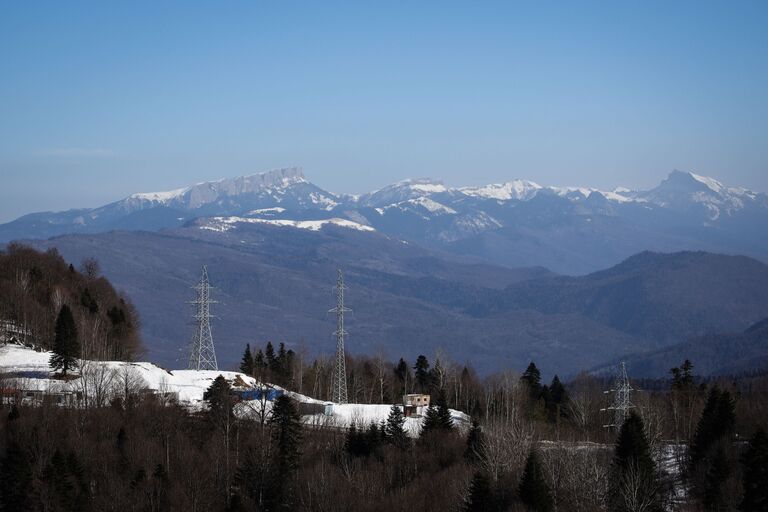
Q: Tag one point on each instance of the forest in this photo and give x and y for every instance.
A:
(35, 286)
(686, 443)
(531, 446)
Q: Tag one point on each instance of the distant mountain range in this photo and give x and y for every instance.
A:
(520, 223)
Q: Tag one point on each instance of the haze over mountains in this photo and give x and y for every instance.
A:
(520, 223)
(473, 271)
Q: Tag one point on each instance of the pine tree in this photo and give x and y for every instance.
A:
(755, 474)
(475, 449)
(403, 375)
(438, 416)
(480, 498)
(259, 363)
(633, 467)
(66, 347)
(445, 422)
(421, 373)
(394, 428)
(269, 356)
(534, 491)
(532, 377)
(219, 400)
(247, 363)
(286, 433)
(718, 472)
(285, 424)
(717, 421)
(558, 400)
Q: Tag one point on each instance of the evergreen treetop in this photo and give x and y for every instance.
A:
(66, 347)
(247, 363)
(534, 491)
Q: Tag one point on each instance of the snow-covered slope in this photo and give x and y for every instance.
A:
(28, 370)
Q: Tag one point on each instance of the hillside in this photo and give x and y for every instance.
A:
(35, 285)
(713, 354)
(275, 283)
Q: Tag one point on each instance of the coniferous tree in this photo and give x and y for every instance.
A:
(717, 421)
(717, 473)
(219, 400)
(394, 428)
(421, 374)
(247, 363)
(533, 489)
(285, 425)
(269, 357)
(475, 449)
(286, 433)
(445, 422)
(634, 472)
(259, 364)
(532, 377)
(557, 405)
(438, 416)
(403, 374)
(755, 474)
(480, 498)
(66, 347)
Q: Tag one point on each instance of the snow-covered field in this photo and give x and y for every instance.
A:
(28, 370)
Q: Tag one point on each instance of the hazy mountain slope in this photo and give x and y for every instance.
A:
(275, 284)
(663, 297)
(713, 354)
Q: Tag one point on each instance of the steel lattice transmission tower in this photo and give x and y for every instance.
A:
(339, 392)
(622, 399)
(202, 355)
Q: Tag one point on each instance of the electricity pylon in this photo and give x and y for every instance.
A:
(622, 402)
(339, 392)
(202, 355)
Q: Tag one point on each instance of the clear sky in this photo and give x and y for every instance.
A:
(102, 99)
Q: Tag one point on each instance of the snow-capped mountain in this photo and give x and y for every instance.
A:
(516, 223)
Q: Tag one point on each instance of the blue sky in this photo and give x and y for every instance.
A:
(99, 100)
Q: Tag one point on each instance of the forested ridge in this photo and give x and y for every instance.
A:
(35, 286)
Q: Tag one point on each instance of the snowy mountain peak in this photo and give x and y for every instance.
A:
(516, 189)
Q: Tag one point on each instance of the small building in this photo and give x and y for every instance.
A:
(415, 404)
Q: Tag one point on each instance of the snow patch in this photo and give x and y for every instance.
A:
(223, 224)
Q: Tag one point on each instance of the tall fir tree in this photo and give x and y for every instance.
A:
(717, 421)
(403, 375)
(475, 450)
(269, 357)
(394, 428)
(534, 490)
(633, 468)
(285, 425)
(532, 377)
(480, 497)
(557, 400)
(66, 346)
(247, 363)
(219, 399)
(438, 416)
(755, 474)
(421, 374)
